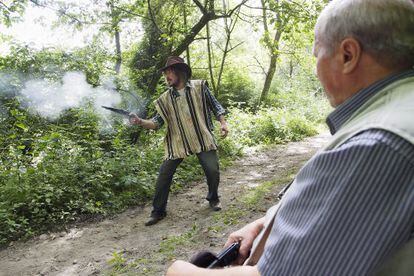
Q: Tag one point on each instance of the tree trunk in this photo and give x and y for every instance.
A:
(210, 61)
(118, 61)
(273, 45)
(269, 77)
(115, 29)
(272, 66)
(223, 60)
(229, 29)
(187, 50)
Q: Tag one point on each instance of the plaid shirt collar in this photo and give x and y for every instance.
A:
(344, 111)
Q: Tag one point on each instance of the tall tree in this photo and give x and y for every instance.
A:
(280, 18)
(187, 50)
(271, 42)
(210, 59)
(229, 25)
(165, 36)
(115, 30)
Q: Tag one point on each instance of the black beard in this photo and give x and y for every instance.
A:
(174, 84)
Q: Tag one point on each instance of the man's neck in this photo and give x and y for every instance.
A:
(180, 85)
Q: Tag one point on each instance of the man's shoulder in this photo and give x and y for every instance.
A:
(375, 138)
(163, 95)
(198, 83)
(378, 135)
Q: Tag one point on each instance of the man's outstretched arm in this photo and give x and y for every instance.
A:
(148, 124)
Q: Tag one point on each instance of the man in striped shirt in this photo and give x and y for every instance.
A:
(186, 109)
(350, 210)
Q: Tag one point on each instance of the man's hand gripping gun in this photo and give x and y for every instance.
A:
(224, 258)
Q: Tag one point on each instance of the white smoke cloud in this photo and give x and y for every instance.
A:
(49, 100)
(9, 84)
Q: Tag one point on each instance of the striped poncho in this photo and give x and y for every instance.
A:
(186, 118)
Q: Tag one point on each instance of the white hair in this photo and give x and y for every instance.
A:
(384, 28)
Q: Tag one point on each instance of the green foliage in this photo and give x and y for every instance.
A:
(23, 61)
(300, 95)
(117, 261)
(163, 32)
(54, 173)
(237, 88)
(269, 125)
(11, 11)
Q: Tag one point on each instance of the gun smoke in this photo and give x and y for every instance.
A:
(49, 100)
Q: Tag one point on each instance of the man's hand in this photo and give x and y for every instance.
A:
(224, 129)
(245, 236)
(223, 126)
(134, 119)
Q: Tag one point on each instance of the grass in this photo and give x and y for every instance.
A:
(254, 197)
(169, 245)
(248, 202)
(167, 251)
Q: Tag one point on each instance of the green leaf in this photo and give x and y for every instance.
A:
(22, 126)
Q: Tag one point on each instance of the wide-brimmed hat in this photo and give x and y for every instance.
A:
(177, 62)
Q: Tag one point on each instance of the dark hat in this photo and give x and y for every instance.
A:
(177, 62)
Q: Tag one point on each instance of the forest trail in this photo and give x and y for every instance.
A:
(122, 245)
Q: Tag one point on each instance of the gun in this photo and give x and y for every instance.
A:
(227, 256)
(224, 258)
(117, 110)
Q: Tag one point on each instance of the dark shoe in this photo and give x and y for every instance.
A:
(154, 219)
(215, 205)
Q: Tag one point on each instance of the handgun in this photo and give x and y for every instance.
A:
(117, 110)
(207, 259)
(227, 256)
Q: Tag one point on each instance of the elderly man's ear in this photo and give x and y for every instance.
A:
(350, 51)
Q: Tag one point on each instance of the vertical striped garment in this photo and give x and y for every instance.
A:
(351, 207)
(187, 120)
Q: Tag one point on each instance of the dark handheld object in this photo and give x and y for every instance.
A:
(117, 110)
(224, 258)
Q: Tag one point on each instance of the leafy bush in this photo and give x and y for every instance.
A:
(54, 173)
(236, 89)
(68, 171)
(269, 125)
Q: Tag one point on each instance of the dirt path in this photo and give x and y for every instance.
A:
(123, 245)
